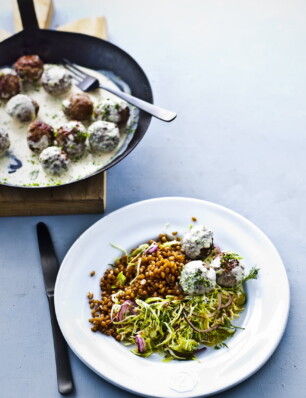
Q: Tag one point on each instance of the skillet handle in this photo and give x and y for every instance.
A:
(27, 14)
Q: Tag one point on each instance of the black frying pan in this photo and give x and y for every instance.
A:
(88, 51)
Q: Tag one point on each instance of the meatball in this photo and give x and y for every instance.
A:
(230, 270)
(112, 111)
(54, 160)
(22, 108)
(103, 136)
(4, 141)
(56, 80)
(78, 107)
(40, 136)
(72, 137)
(9, 84)
(196, 279)
(197, 242)
(29, 67)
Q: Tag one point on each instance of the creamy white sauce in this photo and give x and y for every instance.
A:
(216, 263)
(31, 173)
(53, 75)
(196, 279)
(197, 238)
(41, 144)
(238, 272)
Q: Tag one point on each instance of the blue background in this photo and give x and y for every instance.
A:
(235, 71)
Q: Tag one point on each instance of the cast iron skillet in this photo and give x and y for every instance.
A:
(88, 51)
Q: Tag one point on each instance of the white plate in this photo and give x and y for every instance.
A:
(264, 318)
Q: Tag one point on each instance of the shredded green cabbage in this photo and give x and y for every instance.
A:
(177, 328)
(121, 278)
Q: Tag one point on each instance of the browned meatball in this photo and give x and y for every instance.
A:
(40, 136)
(29, 67)
(71, 137)
(230, 270)
(78, 107)
(9, 84)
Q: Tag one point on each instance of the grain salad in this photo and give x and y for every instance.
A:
(160, 299)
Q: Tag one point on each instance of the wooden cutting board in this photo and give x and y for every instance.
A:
(88, 196)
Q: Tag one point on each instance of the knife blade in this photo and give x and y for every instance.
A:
(50, 269)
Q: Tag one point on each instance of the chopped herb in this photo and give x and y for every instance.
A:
(34, 174)
(251, 275)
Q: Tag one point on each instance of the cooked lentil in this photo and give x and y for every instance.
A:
(156, 275)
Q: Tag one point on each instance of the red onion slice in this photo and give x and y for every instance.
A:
(199, 330)
(126, 308)
(153, 248)
(141, 344)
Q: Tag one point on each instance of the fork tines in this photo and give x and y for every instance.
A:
(77, 73)
(84, 81)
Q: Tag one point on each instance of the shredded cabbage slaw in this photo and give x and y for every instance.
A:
(179, 328)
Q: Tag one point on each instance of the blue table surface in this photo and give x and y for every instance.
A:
(235, 71)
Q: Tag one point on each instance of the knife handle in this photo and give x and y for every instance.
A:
(63, 369)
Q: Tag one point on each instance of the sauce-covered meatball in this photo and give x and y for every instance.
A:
(54, 161)
(78, 107)
(103, 136)
(229, 269)
(56, 80)
(22, 108)
(4, 141)
(29, 67)
(197, 242)
(112, 111)
(72, 137)
(40, 136)
(196, 279)
(9, 84)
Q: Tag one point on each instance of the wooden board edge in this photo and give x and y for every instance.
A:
(62, 208)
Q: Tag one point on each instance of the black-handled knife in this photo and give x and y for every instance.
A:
(50, 268)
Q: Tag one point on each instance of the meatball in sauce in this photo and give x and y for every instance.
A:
(197, 242)
(103, 136)
(72, 137)
(4, 141)
(56, 80)
(40, 135)
(29, 68)
(22, 108)
(229, 269)
(78, 107)
(9, 84)
(54, 161)
(113, 111)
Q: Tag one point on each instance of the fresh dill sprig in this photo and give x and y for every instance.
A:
(251, 275)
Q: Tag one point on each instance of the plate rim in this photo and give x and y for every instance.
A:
(272, 347)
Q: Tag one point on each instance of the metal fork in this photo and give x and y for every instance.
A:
(87, 83)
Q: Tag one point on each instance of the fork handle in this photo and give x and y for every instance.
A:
(156, 111)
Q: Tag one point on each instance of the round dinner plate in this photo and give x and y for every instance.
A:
(263, 320)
